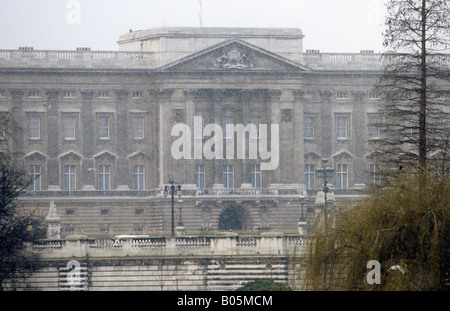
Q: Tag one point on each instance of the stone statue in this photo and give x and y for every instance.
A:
(53, 221)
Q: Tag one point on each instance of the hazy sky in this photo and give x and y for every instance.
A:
(328, 25)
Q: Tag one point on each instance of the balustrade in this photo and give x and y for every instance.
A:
(24, 57)
(172, 245)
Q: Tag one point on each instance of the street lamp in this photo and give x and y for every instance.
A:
(324, 172)
(302, 202)
(172, 189)
(180, 223)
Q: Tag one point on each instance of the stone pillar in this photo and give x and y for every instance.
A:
(302, 227)
(53, 221)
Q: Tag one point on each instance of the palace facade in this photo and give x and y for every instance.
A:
(94, 129)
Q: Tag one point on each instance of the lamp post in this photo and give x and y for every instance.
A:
(302, 202)
(172, 189)
(302, 225)
(324, 172)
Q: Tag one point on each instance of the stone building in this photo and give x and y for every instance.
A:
(94, 129)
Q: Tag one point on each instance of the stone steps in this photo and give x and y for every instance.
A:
(74, 276)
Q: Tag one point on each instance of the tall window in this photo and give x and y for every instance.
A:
(227, 176)
(309, 176)
(227, 129)
(35, 127)
(105, 177)
(103, 128)
(3, 125)
(35, 177)
(342, 176)
(138, 127)
(69, 177)
(200, 176)
(407, 127)
(375, 178)
(342, 127)
(138, 177)
(373, 127)
(198, 127)
(309, 127)
(256, 176)
(254, 132)
(69, 127)
(439, 127)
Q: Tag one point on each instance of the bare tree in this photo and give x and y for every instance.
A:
(415, 84)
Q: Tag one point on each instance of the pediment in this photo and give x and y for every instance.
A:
(35, 155)
(71, 155)
(234, 55)
(105, 155)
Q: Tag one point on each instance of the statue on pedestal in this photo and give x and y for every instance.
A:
(53, 221)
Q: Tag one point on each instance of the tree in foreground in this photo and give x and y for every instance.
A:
(405, 230)
(415, 85)
(16, 230)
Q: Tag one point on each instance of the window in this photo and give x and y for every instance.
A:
(227, 129)
(439, 127)
(103, 94)
(138, 177)
(407, 127)
(309, 176)
(254, 132)
(138, 212)
(198, 127)
(103, 128)
(342, 176)
(137, 94)
(69, 94)
(200, 176)
(35, 177)
(69, 127)
(373, 95)
(35, 127)
(228, 176)
(375, 177)
(373, 127)
(69, 230)
(3, 125)
(342, 127)
(341, 95)
(70, 212)
(256, 176)
(33, 94)
(69, 177)
(104, 212)
(309, 127)
(104, 174)
(138, 128)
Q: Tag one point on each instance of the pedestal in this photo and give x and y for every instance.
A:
(302, 227)
(180, 230)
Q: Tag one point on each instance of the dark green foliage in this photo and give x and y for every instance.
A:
(264, 285)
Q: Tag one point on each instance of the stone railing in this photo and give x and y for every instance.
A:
(81, 58)
(363, 60)
(126, 246)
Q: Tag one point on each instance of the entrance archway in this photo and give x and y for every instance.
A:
(233, 217)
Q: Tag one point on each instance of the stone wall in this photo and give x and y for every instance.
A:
(164, 263)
